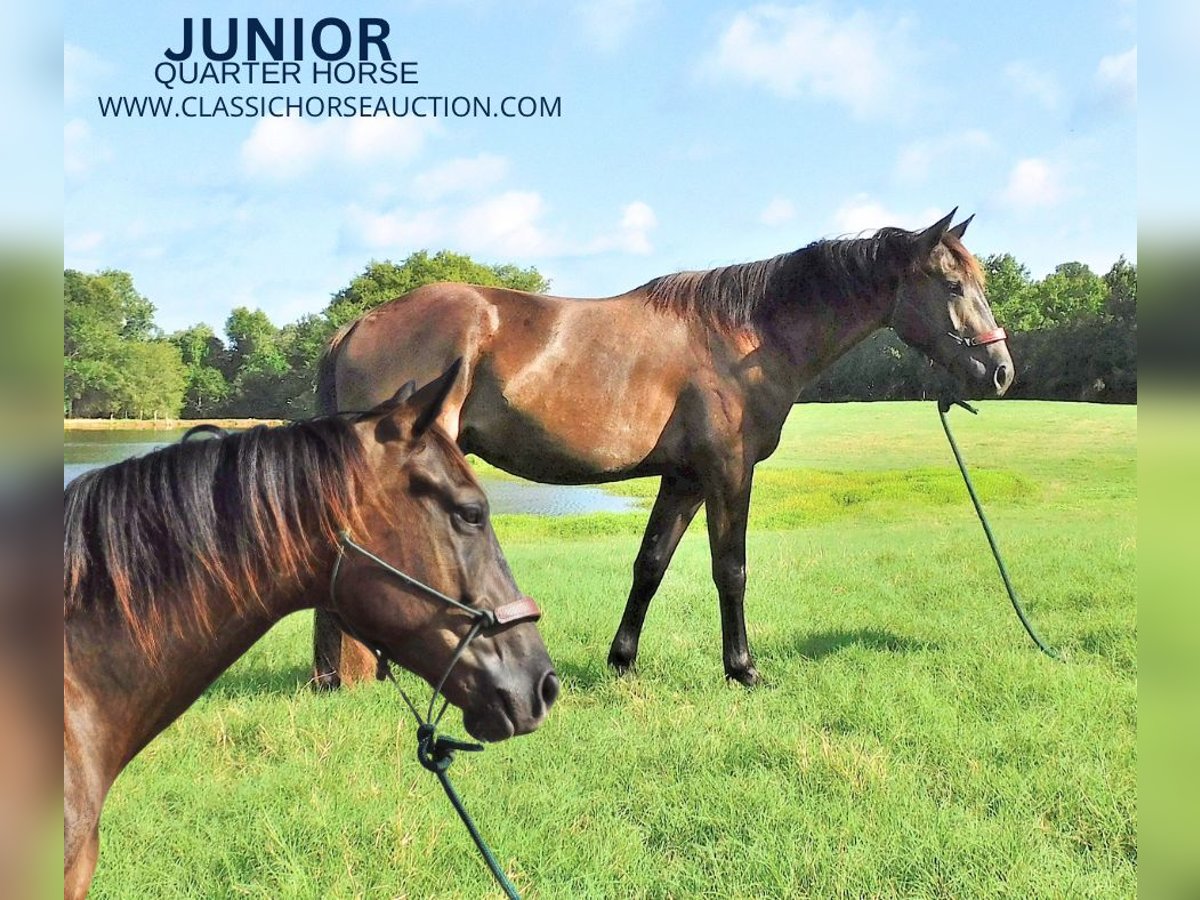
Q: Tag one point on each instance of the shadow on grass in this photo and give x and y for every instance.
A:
(246, 682)
(827, 643)
(585, 674)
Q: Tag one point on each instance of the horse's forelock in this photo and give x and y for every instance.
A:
(965, 260)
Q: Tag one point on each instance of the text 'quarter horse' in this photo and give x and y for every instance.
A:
(175, 563)
(688, 377)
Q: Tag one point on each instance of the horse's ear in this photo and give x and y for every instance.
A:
(406, 390)
(932, 236)
(961, 228)
(411, 411)
(427, 402)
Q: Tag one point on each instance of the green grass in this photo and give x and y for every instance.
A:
(909, 741)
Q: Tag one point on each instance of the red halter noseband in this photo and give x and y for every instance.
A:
(988, 337)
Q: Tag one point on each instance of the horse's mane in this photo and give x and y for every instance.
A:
(152, 538)
(825, 273)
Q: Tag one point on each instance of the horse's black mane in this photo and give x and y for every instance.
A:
(240, 515)
(825, 273)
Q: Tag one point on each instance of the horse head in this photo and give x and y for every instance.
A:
(428, 519)
(942, 310)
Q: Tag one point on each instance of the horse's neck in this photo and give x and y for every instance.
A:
(812, 336)
(134, 698)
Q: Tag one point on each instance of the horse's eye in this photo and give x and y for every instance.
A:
(956, 288)
(470, 514)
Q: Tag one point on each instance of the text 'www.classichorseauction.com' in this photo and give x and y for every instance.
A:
(292, 54)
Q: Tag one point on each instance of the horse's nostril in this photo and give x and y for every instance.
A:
(1001, 377)
(550, 688)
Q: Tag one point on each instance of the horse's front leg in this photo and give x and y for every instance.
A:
(77, 874)
(82, 797)
(678, 499)
(728, 508)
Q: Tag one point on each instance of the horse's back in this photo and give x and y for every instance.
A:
(553, 388)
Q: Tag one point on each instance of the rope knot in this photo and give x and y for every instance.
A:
(436, 753)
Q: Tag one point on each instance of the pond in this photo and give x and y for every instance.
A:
(86, 450)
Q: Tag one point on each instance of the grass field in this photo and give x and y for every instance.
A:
(909, 740)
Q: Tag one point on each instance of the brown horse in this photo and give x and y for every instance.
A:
(688, 377)
(176, 562)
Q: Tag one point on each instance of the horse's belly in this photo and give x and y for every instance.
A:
(563, 442)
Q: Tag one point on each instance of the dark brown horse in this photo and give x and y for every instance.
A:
(688, 377)
(176, 562)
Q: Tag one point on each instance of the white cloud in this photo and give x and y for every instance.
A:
(81, 151)
(1031, 81)
(461, 176)
(1116, 78)
(507, 225)
(285, 148)
(916, 160)
(607, 24)
(393, 230)
(862, 213)
(632, 235)
(861, 60)
(779, 211)
(1032, 184)
(81, 70)
(83, 243)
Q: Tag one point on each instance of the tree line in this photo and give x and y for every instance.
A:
(1074, 337)
(117, 363)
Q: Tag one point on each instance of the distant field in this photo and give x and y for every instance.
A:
(909, 740)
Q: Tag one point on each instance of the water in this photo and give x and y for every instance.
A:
(86, 450)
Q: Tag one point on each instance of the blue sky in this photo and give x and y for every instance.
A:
(692, 135)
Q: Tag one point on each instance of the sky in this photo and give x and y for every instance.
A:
(691, 135)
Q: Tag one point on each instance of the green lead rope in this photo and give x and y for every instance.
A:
(435, 753)
(944, 407)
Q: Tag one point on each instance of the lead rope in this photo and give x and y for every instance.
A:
(944, 405)
(435, 753)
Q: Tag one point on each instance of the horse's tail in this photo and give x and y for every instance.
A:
(327, 370)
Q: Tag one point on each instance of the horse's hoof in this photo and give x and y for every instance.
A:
(325, 681)
(621, 665)
(747, 676)
(619, 662)
(622, 653)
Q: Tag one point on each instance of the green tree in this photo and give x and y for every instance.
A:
(153, 381)
(1070, 294)
(1010, 293)
(104, 320)
(137, 313)
(206, 392)
(1121, 281)
(203, 355)
(256, 366)
(253, 343)
(91, 344)
(302, 343)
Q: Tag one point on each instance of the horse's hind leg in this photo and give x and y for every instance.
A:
(678, 500)
(337, 658)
